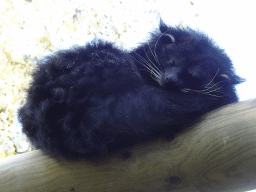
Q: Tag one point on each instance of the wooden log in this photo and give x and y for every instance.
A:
(219, 154)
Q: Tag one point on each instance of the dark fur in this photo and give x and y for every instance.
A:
(96, 98)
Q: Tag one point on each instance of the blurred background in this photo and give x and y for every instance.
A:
(30, 29)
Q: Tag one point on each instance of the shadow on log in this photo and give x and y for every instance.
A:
(219, 154)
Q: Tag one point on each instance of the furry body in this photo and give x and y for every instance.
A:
(96, 98)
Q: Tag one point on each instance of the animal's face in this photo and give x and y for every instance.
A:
(181, 60)
(188, 60)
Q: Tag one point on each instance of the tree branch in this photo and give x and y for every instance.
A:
(219, 154)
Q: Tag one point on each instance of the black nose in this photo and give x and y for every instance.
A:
(172, 74)
(171, 77)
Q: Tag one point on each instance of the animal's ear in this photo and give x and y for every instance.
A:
(166, 37)
(163, 27)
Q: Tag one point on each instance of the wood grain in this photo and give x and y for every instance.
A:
(219, 154)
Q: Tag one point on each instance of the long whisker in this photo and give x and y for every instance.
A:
(201, 91)
(152, 63)
(151, 70)
(207, 91)
(212, 78)
(155, 57)
(152, 52)
(156, 45)
(208, 88)
(148, 66)
(215, 95)
(153, 75)
(214, 90)
(139, 56)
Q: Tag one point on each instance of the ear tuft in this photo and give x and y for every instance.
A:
(163, 27)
